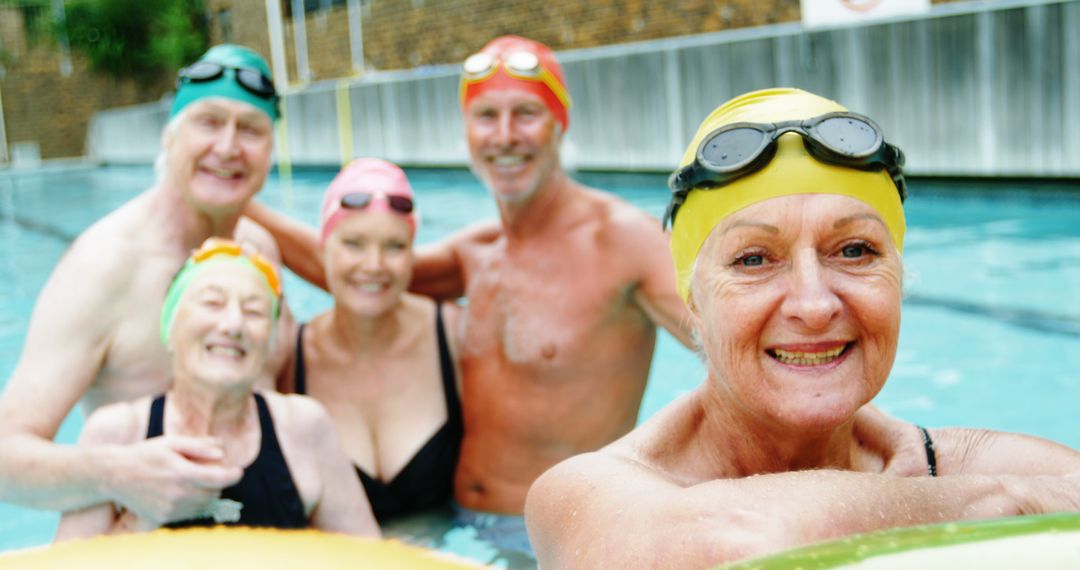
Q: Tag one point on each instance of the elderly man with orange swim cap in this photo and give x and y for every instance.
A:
(565, 290)
(788, 227)
(92, 339)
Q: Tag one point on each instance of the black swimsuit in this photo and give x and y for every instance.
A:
(428, 478)
(266, 491)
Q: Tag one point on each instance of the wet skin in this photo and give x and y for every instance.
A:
(797, 303)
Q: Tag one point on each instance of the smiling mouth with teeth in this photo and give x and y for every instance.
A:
(808, 358)
(512, 160)
(221, 173)
(230, 351)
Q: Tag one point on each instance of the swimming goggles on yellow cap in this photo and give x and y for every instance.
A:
(738, 149)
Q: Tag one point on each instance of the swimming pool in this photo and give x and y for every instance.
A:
(991, 323)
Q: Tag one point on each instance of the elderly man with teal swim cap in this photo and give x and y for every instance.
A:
(93, 335)
(788, 227)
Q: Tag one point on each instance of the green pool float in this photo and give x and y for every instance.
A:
(1044, 542)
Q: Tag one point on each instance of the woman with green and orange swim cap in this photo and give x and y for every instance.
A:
(217, 322)
(787, 231)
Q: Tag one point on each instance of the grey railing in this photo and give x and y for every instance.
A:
(973, 89)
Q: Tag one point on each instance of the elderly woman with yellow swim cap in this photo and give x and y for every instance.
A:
(787, 231)
(217, 323)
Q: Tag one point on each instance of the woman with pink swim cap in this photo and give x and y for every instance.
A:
(380, 360)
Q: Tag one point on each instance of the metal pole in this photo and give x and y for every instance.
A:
(300, 39)
(3, 132)
(61, 25)
(277, 45)
(356, 36)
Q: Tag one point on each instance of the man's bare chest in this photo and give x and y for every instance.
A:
(541, 311)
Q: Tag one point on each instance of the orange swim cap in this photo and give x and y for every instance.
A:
(514, 62)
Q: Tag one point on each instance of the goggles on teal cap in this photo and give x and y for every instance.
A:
(229, 71)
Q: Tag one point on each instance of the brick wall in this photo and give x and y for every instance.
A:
(409, 33)
(43, 106)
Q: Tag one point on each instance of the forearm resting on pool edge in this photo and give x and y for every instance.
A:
(810, 506)
(732, 519)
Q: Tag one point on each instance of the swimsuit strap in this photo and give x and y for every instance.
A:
(446, 364)
(299, 380)
(931, 457)
(269, 441)
(157, 417)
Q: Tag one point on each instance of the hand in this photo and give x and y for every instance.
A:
(171, 478)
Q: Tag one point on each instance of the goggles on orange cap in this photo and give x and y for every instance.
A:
(217, 246)
(522, 65)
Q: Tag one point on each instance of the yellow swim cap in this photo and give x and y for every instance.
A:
(791, 171)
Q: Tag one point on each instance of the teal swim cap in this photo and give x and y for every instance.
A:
(232, 79)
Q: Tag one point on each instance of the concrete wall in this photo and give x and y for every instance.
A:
(975, 89)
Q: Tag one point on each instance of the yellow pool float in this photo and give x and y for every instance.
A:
(203, 549)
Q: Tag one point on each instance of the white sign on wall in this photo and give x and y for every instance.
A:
(817, 13)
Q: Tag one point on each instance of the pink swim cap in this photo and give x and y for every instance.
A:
(372, 176)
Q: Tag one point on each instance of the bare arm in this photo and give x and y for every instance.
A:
(251, 234)
(977, 451)
(594, 511)
(656, 293)
(439, 269)
(343, 506)
(65, 347)
(299, 243)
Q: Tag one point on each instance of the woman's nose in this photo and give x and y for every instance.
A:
(373, 258)
(232, 319)
(810, 298)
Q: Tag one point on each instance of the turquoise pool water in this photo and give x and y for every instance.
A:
(991, 326)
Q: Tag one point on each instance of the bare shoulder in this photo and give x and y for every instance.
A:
(967, 451)
(300, 417)
(120, 422)
(249, 233)
(476, 234)
(619, 216)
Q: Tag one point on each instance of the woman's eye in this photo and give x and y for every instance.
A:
(856, 250)
(752, 260)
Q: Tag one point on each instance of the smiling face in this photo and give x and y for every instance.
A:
(221, 332)
(368, 258)
(218, 154)
(513, 142)
(797, 302)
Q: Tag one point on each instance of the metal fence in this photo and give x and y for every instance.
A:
(974, 89)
